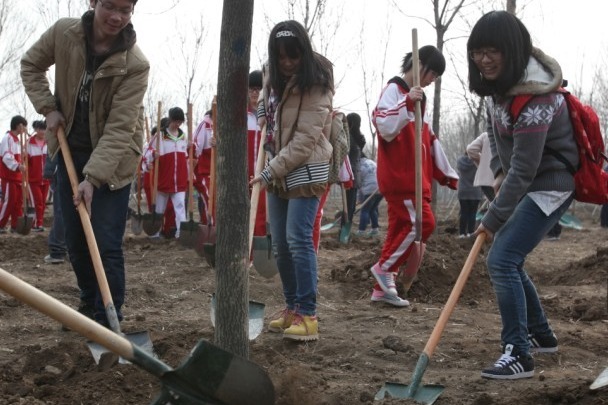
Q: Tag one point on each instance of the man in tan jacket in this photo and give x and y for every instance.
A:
(100, 79)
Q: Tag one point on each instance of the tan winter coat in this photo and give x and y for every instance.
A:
(117, 91)
(301, 136)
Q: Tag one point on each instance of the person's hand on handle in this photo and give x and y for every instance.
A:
(416, 93)
(54, 120)
(483, 229)
(85, 193)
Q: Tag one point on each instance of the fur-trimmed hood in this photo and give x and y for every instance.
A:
(543, 75)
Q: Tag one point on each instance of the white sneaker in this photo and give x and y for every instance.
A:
(380, 296)
(385, 280)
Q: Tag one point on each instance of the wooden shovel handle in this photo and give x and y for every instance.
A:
(418, 138)
(255, 191)
(212, 184)
(104, 288)
(67, 316)
(454, 296)
(158, 135)
(190, 154)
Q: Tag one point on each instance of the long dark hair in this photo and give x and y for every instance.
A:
(506, 33)
(315, 69)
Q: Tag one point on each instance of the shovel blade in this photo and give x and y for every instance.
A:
(152, 223)
(210, 372)
(413, 264)
(256, 317)
(188, 234)
(345, 232)
(601, 380)
(263, 258)
(24, 225)
(141, 339)
(427, 394)
(136, 224)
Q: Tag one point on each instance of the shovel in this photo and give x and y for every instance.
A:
(429, 393)
(188, 231)
(208, 375)
(25, 223)
(153, 221)
(205, 244)
(601, 380)
(263, 258)
(346, 224)
(264, 261)
(256, 316)
(140, 338)
(417, 251)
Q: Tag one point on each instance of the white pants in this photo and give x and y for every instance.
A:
(179, 206)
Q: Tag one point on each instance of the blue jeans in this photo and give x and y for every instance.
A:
(369, 212)
(518, 302)
(56, 240)
(291, 225)
(108, 219)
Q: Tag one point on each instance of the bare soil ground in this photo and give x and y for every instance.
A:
(362, 345)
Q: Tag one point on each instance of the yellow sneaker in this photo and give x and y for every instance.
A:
(283, 322)
(303, 328)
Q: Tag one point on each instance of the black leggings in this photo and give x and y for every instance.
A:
(468, 212)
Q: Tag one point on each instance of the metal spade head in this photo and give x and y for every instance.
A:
(426, 394)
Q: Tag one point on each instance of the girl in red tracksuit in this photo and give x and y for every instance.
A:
(38, 185)
(202, 151)
(395, 122)
(11, 170)
(172, 167)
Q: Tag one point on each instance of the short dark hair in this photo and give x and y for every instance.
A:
(39, 124)
(176, 114)
(16, 121)
(506, 33)
(430, 57)
(255, 79)
(315, 69)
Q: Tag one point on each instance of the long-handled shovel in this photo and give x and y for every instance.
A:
(346, 223)
(25, 223)
(256, 309)
(188, 230)
(264, 261)
(208, 375)
(427, 394)
(415, 258)
(140, 338)
(261, 246)
(153, 221)
(205, 245)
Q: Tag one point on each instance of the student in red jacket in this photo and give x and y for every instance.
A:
(172, 166)
(394, 119)
(11, 171)
(38, 185)
(202, 139)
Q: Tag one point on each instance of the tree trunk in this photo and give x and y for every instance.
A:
(511, 6)
(232, 214)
